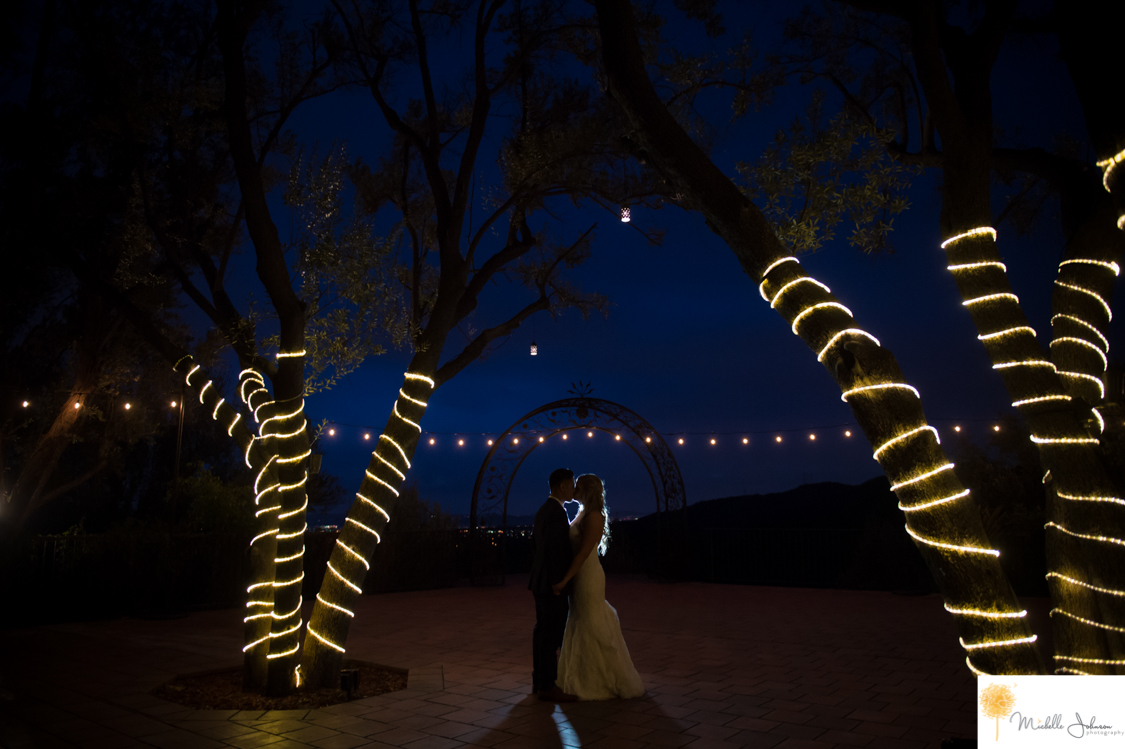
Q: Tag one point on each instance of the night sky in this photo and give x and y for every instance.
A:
(689, 344)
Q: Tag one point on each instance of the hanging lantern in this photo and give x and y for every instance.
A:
(626, 214)
(534, 349)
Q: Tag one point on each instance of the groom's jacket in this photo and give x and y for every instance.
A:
(551, 554)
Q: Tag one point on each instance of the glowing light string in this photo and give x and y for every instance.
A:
(1101, 421)
(1099, 661)
(256, 642)
(980, 231)
(364, 527)
(397, 447)
(290, 558)
(289, 354)
(325, 640)
(1074, 671)
(345, 580)
(766, 272)
(354, 553)
(987, 614)
(813, 308)
(976, 671)
(1073, 581)
(421, 378)
(1063, 440)
(794, 282)
(291, 651)
(300, 509)
(1041, 399)
(1102, 539)
(414, 424)
(230, 429)
(1088, 622)
(297, 458)
(1024, 363)
(182, 358)
(401, 392)
(1089, 497)
(951, 547)
(215, 413)
(284, 583)
(282, 417)
(923, 477)
(934, 503)
(1109, 265)
(880, 386)
(275, 615)
(1083, 376)
(981, 264)
(1007, 332)
(294, 535)
(331, 605)
(373, 477)
(990, 297)
(905, 435)
(390, 465)
(997, 643)
(203, 391)
(379, 509)
(1095, 295)
(1109, 165)
(255, 540)
(840, 334)
(194, 369)
(287, 435)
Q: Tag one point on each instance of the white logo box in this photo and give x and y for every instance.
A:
(1051, 711)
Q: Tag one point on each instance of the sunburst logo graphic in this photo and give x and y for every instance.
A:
(997, 701)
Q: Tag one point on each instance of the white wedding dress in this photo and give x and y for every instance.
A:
(594, 663)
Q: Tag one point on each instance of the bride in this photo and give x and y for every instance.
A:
(594, 662)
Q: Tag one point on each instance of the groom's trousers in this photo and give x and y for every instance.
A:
(551, 612)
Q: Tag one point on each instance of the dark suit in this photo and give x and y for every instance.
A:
(551, 556)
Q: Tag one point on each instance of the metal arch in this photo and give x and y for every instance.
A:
(494, 480)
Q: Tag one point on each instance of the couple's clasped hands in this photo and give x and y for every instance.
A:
(558, 587)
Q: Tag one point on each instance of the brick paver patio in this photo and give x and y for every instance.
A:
(725, 666)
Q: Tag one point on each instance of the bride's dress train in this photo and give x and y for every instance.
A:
(594, 663)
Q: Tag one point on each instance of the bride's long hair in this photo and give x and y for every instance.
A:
(595, 502)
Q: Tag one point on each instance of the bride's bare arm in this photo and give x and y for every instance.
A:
(592, 526)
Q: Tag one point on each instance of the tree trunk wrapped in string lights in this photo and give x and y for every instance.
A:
(946, 529)
(347, 565)
(1080, 495)
(260, 459)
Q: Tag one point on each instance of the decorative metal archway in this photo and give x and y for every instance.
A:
(499, 468)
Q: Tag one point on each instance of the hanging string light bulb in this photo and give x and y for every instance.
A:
(534, 349)
(626, 214)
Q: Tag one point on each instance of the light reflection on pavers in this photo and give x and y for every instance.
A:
(725, 666)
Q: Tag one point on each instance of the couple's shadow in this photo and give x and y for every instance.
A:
(546, 725)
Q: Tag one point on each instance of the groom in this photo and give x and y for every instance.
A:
(551, 558)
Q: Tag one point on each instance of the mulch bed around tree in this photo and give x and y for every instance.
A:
(222, 690)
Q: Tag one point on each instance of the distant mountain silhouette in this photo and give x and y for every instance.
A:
(824, 505)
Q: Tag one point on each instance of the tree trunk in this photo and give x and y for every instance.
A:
(947, 530)
(348, 564)
(1079, 491)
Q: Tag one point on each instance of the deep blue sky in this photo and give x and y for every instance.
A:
(690, 345)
